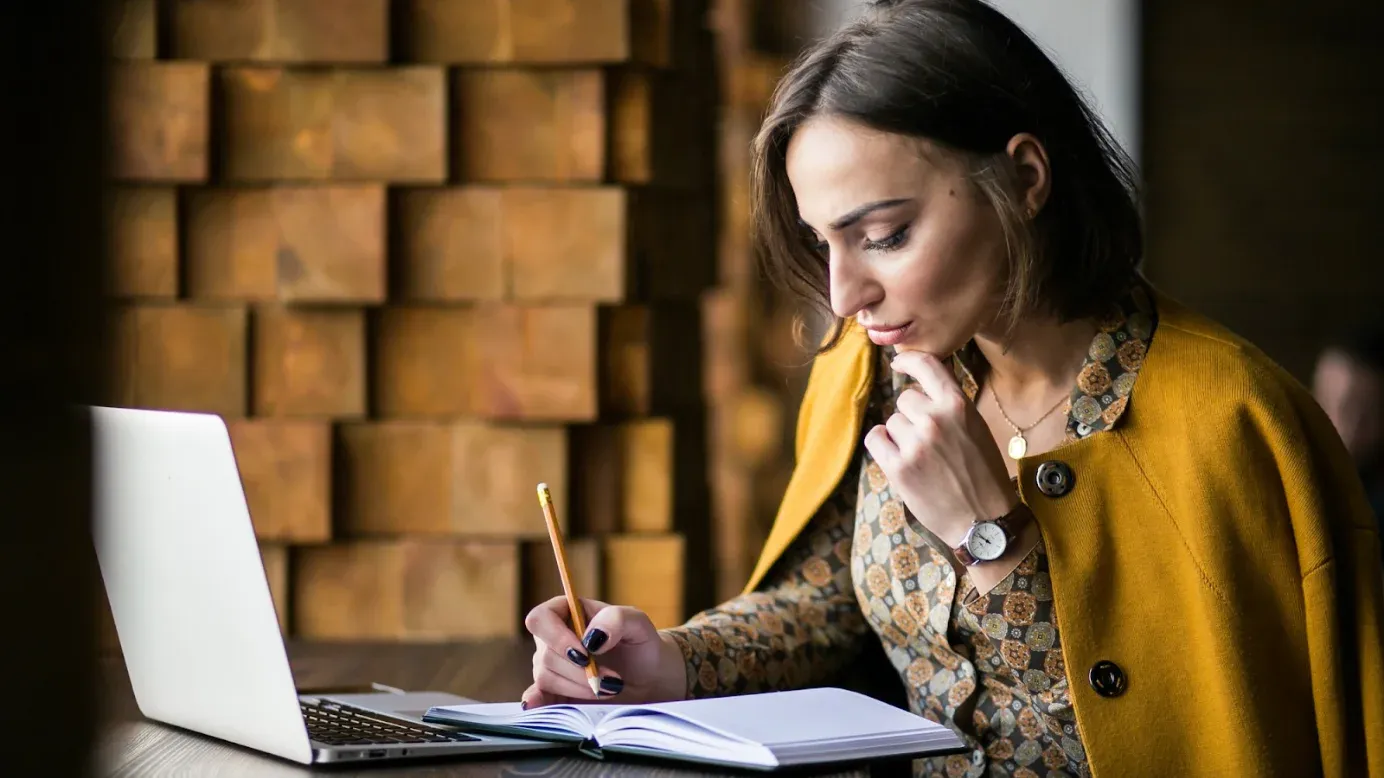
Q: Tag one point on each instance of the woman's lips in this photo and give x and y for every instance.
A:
(889, 336)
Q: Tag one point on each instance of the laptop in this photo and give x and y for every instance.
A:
(193, 613)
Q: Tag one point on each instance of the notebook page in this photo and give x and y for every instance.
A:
(798, 717)
(578, 720)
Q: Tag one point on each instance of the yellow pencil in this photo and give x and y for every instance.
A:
(560, 551)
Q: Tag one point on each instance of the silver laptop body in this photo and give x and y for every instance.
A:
(194, 616)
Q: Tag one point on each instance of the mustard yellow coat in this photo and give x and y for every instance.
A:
(1216, 544)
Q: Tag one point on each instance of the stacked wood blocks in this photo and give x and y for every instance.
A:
(422, 255)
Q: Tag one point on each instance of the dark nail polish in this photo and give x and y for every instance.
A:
(594, 639)
(610, 685)
(523, 705)
(577, 657)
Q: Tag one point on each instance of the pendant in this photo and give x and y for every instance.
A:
(1018, 446)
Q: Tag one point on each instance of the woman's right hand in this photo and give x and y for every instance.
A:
(636, 663)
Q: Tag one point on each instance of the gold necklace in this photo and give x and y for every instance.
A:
(1018, 445)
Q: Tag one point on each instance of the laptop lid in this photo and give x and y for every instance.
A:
(186, 584)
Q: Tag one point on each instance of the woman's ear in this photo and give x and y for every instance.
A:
(1033, 174)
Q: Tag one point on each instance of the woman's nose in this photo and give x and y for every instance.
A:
(851, 289)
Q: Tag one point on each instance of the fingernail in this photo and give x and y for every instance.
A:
(594, 639)
(523, 705)
(577, 657)
(611, 685)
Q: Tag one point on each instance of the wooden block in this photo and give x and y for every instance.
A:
(539, 125)
(647, 362)
(142, 246)
(391, 124)
(662, 128)
(537, 31)
(274, 556)
(646, 572)
(285, 467)
(132, 29)
(415, 590)
(496, 362)
(540, 577)
(309, 362)
(424, 361)
(451, 245)
(624, 477)
(536, 363)
(317, 31)
(554, 31)
(180, 357)
(567, 244)
(382, 124)
(440, 478)
(293, 244)
(725, 342)
(159, 122)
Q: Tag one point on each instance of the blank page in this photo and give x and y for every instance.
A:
(794, 717)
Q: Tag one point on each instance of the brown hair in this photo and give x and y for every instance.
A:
(961, 75)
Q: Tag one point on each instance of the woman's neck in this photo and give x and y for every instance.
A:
(1038, 363)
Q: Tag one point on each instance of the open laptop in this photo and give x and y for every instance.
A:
(194, 616)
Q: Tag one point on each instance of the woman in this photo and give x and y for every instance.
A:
(1094, 532)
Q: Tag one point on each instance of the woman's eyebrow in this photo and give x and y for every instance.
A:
(863, 211)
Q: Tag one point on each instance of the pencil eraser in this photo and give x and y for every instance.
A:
(542, 487)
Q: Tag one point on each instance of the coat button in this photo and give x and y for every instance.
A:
(1054, 478)
(1107, 679)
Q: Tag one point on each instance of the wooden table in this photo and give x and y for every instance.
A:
(489, 671)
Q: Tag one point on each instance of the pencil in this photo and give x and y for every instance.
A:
(560, 552)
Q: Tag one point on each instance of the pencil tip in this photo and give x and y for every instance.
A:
(595, 686)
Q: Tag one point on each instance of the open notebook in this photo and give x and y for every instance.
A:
(757, 731)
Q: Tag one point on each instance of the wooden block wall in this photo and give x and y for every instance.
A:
(422, 255)
(755, 371)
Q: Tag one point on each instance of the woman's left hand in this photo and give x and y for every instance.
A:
(938, 454)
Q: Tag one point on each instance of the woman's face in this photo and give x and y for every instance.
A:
(916, 254)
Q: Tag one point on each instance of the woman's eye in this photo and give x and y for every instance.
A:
(893, 241)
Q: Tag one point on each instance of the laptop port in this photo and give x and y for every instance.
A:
(375, 753)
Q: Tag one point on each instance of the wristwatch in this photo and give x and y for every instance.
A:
(987, 540)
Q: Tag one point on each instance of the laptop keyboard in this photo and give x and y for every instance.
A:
(338, 725)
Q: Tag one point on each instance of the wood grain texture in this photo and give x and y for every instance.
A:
(529, 125)
(180, 357)
(275, 557)
(416, 590)
(537, 32)
(317, 31)
(624, 477)
(341, 124)
(286, 469)
(567, 244)
(451, 244)
(309, 362)
(290, 244)
(159, 121)
(493, 361)
(142, 242)
(468, 479)
(540, 578)
(646, 572)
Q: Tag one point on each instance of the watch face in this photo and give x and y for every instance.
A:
(987, 542)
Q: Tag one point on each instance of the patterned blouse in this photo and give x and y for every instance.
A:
(988, 667)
